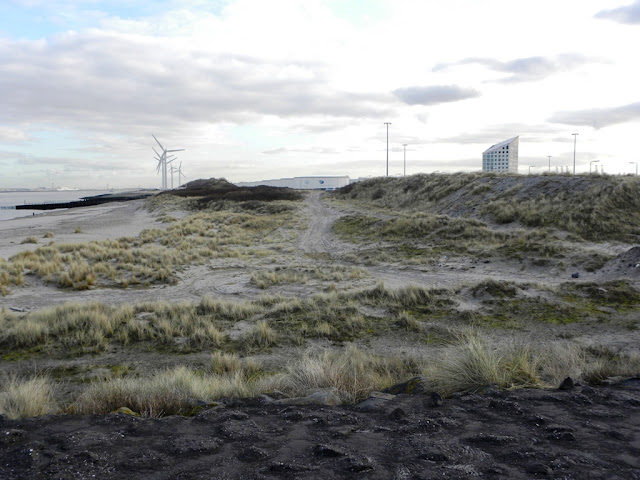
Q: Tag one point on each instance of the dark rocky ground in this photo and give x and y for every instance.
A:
(581, 433)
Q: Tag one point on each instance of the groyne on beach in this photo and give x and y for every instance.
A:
(91, 201)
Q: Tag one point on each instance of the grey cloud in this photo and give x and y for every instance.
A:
(629, 14)
(322, 127)
(528, 69)
(127, 82)
(317, 150)
(275, 151)
(599, 117)
(434, 95)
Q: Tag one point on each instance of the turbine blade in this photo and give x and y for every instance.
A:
(157, 141)
(177, 150)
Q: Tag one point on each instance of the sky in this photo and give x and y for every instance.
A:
(256, 89)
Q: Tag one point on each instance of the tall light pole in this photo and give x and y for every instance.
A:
(591, 163)
(636, 167)
(575, 136)
(387, 124)
(530, 169)
(405, 158)
(549, 163)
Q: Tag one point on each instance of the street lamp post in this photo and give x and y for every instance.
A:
(575, 136)
(591, 163)
(387, 124)
(636, 167)
(549, 163)
(405, 158)
(530, 169)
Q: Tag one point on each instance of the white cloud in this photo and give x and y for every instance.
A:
(629, 14)
(12, 135)
(242, 83)
(97, 78)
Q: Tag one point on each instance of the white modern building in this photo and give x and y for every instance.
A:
(501, 157)
(302, 183)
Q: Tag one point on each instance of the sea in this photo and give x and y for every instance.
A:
(9, 200)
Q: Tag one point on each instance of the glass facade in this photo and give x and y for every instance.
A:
(502, 157)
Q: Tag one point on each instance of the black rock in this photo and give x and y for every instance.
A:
(326, 450)
(435, 400)
(252, 454)
(575, 275)
(398, 413)
(562, 436)
(414, 386)
(567, 384)
(360, 464)
(489, 439)
(434, 457)
(537, 469)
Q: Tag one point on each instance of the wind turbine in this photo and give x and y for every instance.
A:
(180, 174)
(163, 161)
(173, 170)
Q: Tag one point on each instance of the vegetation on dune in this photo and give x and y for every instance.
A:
(273, 321)
(460, 353)
(474, 362)
(591, 207)
(211, 192)
(301, 275)
(427, 235)
(155, 256)
(470, 362)
(454, 338)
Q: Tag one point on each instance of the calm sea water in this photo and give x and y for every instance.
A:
(11, 199)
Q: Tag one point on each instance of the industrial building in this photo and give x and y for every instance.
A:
(501, 157)
(302, 183)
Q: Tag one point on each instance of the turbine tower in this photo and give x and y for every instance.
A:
(180, 174)
(173, 170)
(163, 160)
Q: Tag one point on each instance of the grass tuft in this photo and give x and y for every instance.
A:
(351, 373)
(20, 398)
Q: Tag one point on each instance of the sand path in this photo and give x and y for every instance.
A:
(318, 238)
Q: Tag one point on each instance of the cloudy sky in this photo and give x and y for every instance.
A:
(256, 89)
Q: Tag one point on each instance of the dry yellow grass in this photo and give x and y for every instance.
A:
(153, 257)
(20, 398)
(167, 392)
(351, 373)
